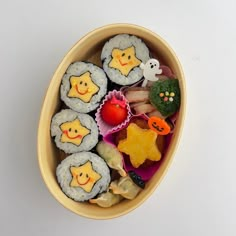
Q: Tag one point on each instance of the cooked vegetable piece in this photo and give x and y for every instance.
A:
(125, 187)
(112, 156)
(137, 96)
(106, 199)
(143, 109)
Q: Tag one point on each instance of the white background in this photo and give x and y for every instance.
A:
(198, 194)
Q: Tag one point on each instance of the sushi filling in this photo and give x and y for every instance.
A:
(84, 177)
(73, 132)
(124, 60)
(82, 87)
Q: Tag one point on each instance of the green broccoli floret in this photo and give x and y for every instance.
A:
(165, 96)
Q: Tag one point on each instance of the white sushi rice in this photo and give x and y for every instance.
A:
(98, 77)
(123, 41)
(88, 142)
(64, 176)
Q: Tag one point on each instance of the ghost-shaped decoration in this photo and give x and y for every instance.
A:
(150, 71)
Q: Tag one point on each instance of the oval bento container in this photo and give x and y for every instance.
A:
(89, 49)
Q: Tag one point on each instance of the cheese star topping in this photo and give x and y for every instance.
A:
(140, 145)
(124, 60)
(82, 87)
(73, 132)
(84, 176)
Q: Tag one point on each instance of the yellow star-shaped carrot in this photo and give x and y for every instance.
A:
(73, 132)
(82, 87)
(84, 176)
(124, 60)
(140, 145)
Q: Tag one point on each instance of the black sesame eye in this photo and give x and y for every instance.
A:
(131, 173)
(87, 175)
(136, 179)
(123, 54)
(80, 82)
(155, 123)
(75, 130)
(85, 84)
(150, 63)
(69, 129)
(80, 174)
(129, 57)
(141, 184)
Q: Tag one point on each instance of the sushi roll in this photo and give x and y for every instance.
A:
(122, 56)
(83, 175)
(73, 131)
(83, 86)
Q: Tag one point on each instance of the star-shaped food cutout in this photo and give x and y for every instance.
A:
(124, 60)
(84, 176)
(82, 87)
(73, 132)
(140, 145)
